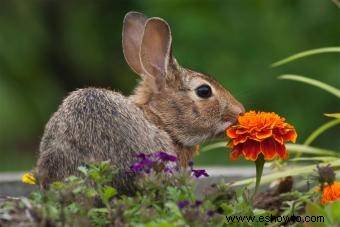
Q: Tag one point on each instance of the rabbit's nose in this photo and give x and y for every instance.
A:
(241, 109)
(234, 112)
(237, 109)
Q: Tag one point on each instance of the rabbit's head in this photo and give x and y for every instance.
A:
(190, 106)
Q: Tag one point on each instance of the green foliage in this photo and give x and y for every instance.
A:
(162, 199)
(330, 212)
(306, 54)
(317, 132)
(312, 82)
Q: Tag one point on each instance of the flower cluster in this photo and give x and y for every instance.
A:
(330, 193)
(197, 172)
(162, 162)
(329, 188)
(185, 204)
(257, 133)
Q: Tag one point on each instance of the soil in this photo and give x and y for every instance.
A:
(272, 198)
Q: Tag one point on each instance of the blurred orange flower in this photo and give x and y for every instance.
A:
(330, 193)
(260, 132)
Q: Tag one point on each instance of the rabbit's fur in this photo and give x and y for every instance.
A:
(164, 113)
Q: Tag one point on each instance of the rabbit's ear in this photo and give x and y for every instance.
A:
(155, 52)
(133, 28)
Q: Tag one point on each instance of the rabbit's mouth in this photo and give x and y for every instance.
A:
(220, 130)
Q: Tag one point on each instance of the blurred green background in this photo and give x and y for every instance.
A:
(49, 48)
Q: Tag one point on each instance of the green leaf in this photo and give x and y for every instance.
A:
(162, 223)
(259, 163)
(99, 210)
(36, 196)
(335, 115)
(332, 210)
(83, 170)
(108, 192)
(78, 189)
(174, 209)
(98, 216)
(292, 171)
(306, 54)
(214, 146)
(173, 193)
(333, 90)
(321, 130)
(319, 158)
(227, 208)
(90, 192)
(52, 211)
(94, 173)
(58, 185)
(300, 148)
(73, 208)
(72, 178)
(313, 209)
(261, 212)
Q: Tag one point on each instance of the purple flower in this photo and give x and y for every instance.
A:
(182, 204)
(144, 163)
(166, 157)
(210, 213)
(143, 156)
(199, 172)
(197, 204)
(136, 167)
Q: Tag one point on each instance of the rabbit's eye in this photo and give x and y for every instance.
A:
(204, 91)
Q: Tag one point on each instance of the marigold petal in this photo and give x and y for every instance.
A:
(230, 144)
(278, 138)
(290, 136)
(240, 139)
(251, 150)
(264, 134)
(235, 154)
(261, 132)
(283, 130)
(241, 130)
(231, 133)
(281, 151)
(330, 193)
(268, 149)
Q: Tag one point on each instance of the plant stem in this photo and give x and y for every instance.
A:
(320, 130)
(259, 170)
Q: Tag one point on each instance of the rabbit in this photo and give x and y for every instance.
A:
(172, 109)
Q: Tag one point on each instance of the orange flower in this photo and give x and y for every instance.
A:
(330, 193)
(260, 132)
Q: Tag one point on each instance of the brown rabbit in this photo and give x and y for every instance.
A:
(173, 109)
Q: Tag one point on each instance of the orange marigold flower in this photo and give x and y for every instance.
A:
(330, 193)
(260, 132)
